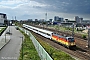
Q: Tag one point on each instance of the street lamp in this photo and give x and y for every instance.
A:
(22, 47)
(9, 25)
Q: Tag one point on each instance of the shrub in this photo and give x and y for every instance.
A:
(84, 36)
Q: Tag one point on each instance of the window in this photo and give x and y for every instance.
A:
(71, 39)
(48, 34)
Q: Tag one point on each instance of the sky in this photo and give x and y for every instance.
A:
(36, 9)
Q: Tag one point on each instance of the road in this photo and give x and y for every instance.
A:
(12, 49)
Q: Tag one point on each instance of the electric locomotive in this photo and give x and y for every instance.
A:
(67, 41)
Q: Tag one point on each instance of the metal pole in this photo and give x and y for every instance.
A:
(8, 23)
(88, 38)
(9, 26)
(22, 48)
(73, 30)
(5, 37)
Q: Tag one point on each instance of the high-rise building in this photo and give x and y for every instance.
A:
(81, 19)
(77, 19)
(56, 18)
(61, 19)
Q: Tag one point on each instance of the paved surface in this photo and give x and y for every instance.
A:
(12, 49)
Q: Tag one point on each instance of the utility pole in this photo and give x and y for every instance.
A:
(5, 37)
(9, 25)
(22, 47)
(73, 30)
(88, 38)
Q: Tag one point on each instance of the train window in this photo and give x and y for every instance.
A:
(48, 34)
(71, 39)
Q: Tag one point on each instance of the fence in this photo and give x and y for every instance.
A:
(42, 53)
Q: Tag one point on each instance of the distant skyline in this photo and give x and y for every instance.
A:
(36, 9)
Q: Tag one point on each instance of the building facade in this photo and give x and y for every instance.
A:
(58, 19)
(3, 17)
(78, 20)
(81, 20)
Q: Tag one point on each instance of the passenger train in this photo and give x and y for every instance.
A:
(67, 41)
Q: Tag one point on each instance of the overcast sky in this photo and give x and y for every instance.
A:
(36, 9)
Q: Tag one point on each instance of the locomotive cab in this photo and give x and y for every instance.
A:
(70, 41)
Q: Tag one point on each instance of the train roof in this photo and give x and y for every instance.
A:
(45, 31)
(63, 36)
(39, 29)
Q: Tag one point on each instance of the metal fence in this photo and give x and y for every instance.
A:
(42, 53)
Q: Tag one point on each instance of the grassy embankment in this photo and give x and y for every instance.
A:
(29, 51)
(56, 54)
(2, 29)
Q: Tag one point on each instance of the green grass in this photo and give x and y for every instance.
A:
(56, 54)
(29, 51)
(2, 29)
(18, 24)
(61, 28)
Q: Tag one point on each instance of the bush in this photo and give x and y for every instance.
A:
(84, 36)
(68, 28)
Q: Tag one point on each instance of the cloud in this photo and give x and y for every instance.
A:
(25, 9)
(21, 9)
(69, 6)
(12, 2)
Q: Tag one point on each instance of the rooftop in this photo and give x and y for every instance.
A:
(2, 14)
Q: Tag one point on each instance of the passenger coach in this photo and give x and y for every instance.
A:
(64, 40)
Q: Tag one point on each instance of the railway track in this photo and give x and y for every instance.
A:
(82, 43)
(75, 52)
(81, 51)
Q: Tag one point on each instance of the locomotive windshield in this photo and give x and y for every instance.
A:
(71, 39)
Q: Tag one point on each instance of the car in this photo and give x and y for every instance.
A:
(17, 28)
